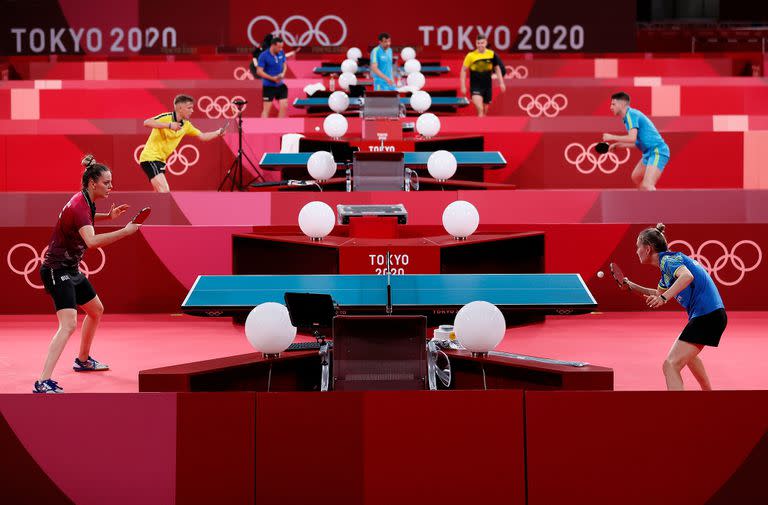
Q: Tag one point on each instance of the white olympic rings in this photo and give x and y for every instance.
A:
(542, 104)
(312, 31)
(726, 256)
(587, 154)
(218, 107)
(37, 259)
(513, 72)
(188, 155)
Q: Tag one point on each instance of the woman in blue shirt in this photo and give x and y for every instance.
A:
(689, 283)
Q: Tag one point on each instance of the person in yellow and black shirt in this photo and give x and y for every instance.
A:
(167, 130)
(482, 63)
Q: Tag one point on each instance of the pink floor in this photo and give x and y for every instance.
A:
(632, 343)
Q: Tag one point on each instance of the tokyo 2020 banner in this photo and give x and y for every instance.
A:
(146, 26)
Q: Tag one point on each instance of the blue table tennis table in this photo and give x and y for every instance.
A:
(357, 102)
(418, 159)
(362, 69)
(432, 295)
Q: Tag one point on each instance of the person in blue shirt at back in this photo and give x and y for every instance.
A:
(271, 68)
(642, 134)
(685, 280)
(382, 64)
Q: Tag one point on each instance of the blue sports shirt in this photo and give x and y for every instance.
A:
(383, 59)
(700, 297)
(648, 136)
(272, 64)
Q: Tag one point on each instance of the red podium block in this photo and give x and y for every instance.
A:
(373, 226)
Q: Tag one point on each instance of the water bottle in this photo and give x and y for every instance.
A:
(332, 84)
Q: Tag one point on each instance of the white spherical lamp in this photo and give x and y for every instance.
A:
(460, 219)
(268, 328)
(441, 165)
(347, 79)
(408, 53)
(416, 80)
(428, 125)
(349, 65)
(412, 66)
(479, 327)
(316, 220)
(335, 125)
(354, 53)
(321, 166)
(338, 101)
(421, 101)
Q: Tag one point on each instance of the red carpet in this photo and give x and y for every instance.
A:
(632, 343)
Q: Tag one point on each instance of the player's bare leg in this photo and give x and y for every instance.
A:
(696, 366)
(160, 184)
(93, 312)
(650, 178)
(679, 356)
(67, 325)
(477, 100)
(265, 109)
(638, 173)
(283, 112)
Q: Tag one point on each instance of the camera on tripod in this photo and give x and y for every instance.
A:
(239, 104)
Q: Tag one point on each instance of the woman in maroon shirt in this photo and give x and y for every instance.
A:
(61, 275)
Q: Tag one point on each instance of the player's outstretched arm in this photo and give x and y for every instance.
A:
(618, 145)
(205, 137)
(641, 289)
(92, 240)
(630, 137)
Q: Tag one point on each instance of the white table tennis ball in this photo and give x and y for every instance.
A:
(349, 65)
(347, 79)
(321, 166)
(408, 53)
(416, 80)
(354, 53)
(338, 101)
(268, 328)
(335, 125)
(421, 101)
(441, 165)
(412, 66)
(428, 125)
(317, 128)
(460, 219)
(600, 274)
(316, 220)
(479, 326)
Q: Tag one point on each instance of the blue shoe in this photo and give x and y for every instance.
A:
(47, 386)
(89, 365)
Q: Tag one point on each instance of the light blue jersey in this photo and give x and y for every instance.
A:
(700, 297)
(383, 59)
(648, 136)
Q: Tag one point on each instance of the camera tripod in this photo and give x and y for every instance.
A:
(234, 173)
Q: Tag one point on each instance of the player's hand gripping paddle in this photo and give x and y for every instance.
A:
(602, 147)
(142, 215)
(618, 276)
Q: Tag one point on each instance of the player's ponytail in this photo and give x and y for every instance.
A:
(654, 237)
(92, 170)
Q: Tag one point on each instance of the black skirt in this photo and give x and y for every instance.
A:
(706, 329)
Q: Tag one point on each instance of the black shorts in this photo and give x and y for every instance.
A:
(68, 288)
(153, 168)
(706, 329)
(270, 93)
(484, 91)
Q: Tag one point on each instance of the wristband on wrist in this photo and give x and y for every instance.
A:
(663, 297)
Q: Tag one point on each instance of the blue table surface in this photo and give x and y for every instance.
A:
(418, 158)
(550, 290)
(356, 102)
(334, 69)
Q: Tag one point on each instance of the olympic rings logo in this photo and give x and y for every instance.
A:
(542, 104)
(221, 106)
(727, 256)
(583, 155)
(312, 31)
(513, 72)
(188, 155)
(37, 259)
(243, 74)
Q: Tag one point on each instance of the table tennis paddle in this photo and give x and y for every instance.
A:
(601, 147)
(142, 215)
(618, 276)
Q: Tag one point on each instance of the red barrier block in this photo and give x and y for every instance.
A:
(646, 447)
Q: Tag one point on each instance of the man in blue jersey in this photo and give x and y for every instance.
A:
(382, 64)
(271, 68)
(642, 134)
(685, 280)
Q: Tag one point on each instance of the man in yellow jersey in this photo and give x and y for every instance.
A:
(167, 130)
(481, 64)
